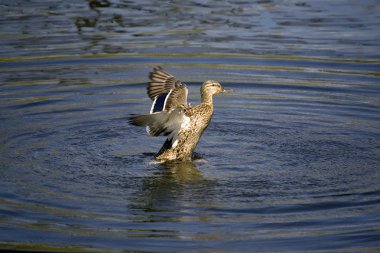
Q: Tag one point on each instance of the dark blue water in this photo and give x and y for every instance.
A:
(290, 161)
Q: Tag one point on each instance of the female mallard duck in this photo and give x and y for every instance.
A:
(172, 116)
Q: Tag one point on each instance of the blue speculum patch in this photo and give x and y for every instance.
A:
(159, 103)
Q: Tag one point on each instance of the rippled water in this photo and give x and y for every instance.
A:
(290, 161)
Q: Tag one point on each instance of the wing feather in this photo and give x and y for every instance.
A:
(162, 123)
(162, 82)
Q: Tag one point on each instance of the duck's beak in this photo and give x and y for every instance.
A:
(226, 90)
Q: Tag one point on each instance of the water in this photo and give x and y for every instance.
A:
(290, 161)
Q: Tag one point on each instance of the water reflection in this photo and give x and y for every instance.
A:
(171, 185)
(91, 22)
(95, 4)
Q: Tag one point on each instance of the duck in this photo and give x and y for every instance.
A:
(171, 115)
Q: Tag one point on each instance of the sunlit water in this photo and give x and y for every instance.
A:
(290, 161)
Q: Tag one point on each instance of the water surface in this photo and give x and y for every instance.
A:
(290, 161)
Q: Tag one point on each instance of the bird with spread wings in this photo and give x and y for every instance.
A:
(172, 116)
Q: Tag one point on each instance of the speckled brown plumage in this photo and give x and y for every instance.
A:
(175, 118)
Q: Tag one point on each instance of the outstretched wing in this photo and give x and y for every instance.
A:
(166, 123)
(165, 91)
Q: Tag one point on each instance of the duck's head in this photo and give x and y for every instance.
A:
(212, 87)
